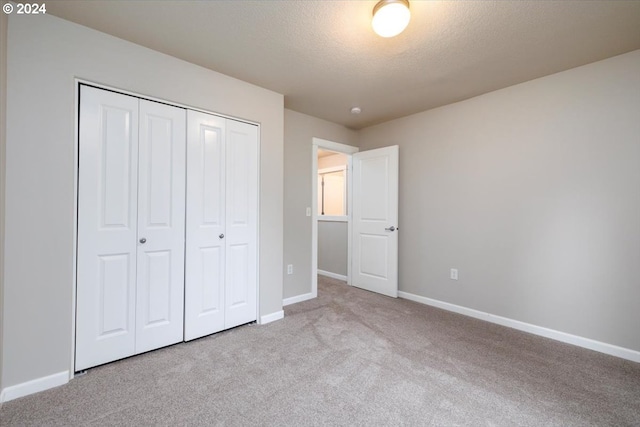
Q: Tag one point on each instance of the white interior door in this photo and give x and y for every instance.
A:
(205, 243)
(241, 279)
(107, 219)
(375, 220)
(161, 222)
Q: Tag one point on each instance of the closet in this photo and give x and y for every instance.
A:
(156, 184)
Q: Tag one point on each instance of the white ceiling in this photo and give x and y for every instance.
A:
(324, 57)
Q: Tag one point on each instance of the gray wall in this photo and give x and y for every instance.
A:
(332, 246)
(44, 55)
(299, 129)
(533, 193)
(3, 127)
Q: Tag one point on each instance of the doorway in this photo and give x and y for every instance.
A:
(333, 220)
(331, 211)
(371, 216)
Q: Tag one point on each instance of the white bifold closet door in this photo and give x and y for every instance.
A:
(161, 222)
(222, 206)
(131, 199)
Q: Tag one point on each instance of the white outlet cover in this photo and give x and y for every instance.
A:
(454, 274)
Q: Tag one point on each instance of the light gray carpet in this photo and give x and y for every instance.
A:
(350, 357)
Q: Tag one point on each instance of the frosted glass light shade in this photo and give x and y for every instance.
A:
(390, 17)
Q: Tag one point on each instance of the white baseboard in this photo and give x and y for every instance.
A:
(332, 275)
(298, 298)
(588, 343)
(34, 386)
(268, 318)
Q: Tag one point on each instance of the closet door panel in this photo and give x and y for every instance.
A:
(242, 216)
(205, 247)
(161, 222)
(239, 287)
(212, 262)
(107, 219)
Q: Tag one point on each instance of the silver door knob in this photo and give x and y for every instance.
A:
(143, 240)
(221, 236)
(392, 228)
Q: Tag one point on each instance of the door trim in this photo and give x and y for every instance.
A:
(317, 143)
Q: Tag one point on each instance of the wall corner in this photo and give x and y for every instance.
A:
(4, 22)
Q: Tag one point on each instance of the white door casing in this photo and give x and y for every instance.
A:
(161, 222)
(107, 221)
(205, 244)
(241, 278)
(375, 220)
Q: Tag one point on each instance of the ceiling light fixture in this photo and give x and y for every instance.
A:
(390, 17)
(356, 110)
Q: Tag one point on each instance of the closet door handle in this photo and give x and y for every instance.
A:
(392, 228)
(143, 240)
(221, 236)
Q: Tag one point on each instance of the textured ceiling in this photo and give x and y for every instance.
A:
(324, 57)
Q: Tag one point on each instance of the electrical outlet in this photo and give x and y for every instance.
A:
(290, 269)
(454, 274)
(308, 211)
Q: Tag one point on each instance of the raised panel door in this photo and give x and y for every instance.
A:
(107, 216)
(241, 279)
(206, 218)
(161, 222)
(375, 220)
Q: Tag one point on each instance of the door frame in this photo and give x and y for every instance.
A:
(319, 143)
(77, 82)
